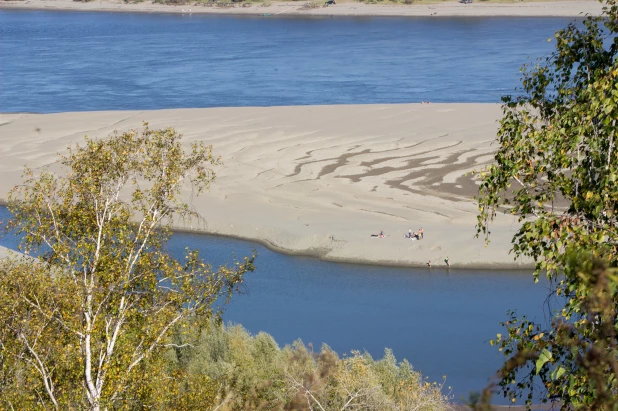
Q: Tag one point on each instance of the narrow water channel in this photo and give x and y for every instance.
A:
(440, 320)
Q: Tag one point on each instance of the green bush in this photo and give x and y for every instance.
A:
(253, 372)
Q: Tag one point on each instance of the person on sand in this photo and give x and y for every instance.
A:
(447, 262)
(409, 233)
(420, 232)
(429, 263)
(381, 235)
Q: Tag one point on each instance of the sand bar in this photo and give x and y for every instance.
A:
(316, 180)
(568, 8)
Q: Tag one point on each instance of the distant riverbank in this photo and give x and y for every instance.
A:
(573, 8)
(317, 180)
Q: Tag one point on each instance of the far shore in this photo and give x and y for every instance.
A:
(558, 8)
(316, 180)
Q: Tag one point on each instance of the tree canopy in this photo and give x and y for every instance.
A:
(557, 169)
(85, 323)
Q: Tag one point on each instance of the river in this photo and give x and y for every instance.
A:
(78, 61)
(439, 320)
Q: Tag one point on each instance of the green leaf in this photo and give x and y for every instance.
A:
(557, 373)
(543, 359)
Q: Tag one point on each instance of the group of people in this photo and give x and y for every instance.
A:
(418, 235)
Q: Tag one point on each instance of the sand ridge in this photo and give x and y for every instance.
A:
(561, 8)
(316, 180)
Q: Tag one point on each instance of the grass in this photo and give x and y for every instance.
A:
(311, 5)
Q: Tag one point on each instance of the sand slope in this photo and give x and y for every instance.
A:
(572, 8)
(4, 252)
(316, 180)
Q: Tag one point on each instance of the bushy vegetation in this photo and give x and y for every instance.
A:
(311, 5)
(252, 372)
(202, 365)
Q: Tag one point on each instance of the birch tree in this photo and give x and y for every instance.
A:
(104, 294)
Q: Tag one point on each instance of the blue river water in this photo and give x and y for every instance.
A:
(440, 320)
(63, 61)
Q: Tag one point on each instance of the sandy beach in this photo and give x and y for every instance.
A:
(572, 8)
(316, 180)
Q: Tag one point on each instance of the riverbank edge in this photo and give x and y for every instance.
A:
(556, 8)
(322, 253)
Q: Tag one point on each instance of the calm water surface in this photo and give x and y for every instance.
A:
(73, 61)
(439, 320)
